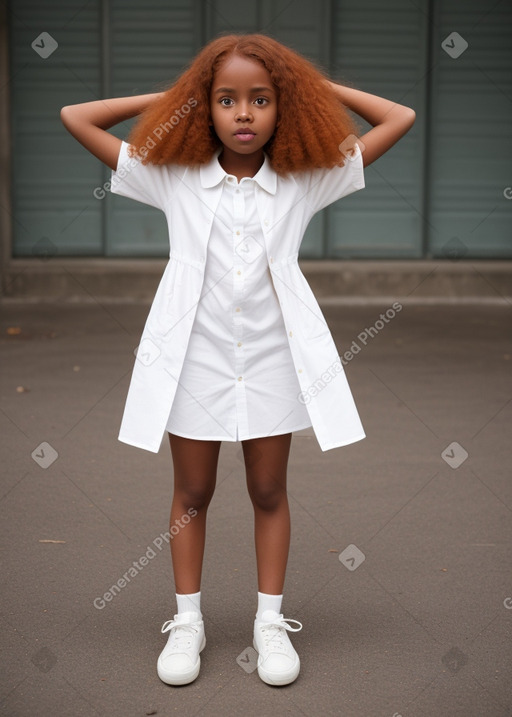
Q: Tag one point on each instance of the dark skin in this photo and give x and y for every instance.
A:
(242, 97)
(195, 472)
(248, 101)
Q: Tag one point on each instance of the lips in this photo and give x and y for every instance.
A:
(244, 131)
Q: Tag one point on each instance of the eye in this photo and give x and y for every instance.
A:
(228, 99)
(261, 99)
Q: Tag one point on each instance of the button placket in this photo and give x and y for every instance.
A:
(238, 289)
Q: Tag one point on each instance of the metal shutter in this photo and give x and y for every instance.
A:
(53, 176)
(441, 191)
(149, 46)
(470, 140)
(381, 48)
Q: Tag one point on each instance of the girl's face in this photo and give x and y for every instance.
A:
(243, 105)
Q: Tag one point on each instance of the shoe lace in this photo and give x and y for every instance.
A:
(182, 635)
(274, 632)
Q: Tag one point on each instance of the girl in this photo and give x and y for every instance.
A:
(240, 152)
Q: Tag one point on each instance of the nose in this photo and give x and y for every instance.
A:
(243, 114)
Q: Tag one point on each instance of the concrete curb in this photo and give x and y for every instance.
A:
(137, 279)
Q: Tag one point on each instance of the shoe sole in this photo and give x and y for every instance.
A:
(184, 678)
(277, 680)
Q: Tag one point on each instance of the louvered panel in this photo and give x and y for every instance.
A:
(52, 175)
(305, 27)
(379, 245)
(151, 45)
(460, 144)
(379, 48)
(227, 16)
(302, 25)
(470, 141)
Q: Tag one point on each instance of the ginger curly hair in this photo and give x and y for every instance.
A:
(320, 119)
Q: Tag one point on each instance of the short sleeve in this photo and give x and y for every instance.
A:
(324, 186)
(146, 183)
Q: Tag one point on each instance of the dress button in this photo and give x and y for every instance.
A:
(300, 370)
(238, 233)
(237, 308)
(238, 272)
(290, 333)
(239, 343)
(239, 378)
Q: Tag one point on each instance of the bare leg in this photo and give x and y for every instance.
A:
(266, 461)
(195, 474)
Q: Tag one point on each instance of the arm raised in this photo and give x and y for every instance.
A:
(390, 120)
(88, 122)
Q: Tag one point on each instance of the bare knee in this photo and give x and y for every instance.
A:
(194, 495)
(266, 494)
(265, 465)
(195, 471)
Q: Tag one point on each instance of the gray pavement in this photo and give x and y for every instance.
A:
(415, 619)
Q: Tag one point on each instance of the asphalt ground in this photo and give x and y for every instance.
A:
(400, 560)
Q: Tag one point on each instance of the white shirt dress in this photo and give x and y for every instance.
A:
(238, 380)
(235, 345)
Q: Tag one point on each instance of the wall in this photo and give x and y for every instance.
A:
(441, 192)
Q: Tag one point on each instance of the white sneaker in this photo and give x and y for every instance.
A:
(179, 661)
(278, 663)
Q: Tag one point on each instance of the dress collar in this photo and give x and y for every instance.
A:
(211, 173)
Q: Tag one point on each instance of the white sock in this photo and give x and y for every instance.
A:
(189, 603)
(268, 602)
